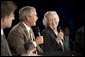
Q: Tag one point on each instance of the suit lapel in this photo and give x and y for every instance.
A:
(53, 35)
(51, 32)
(4, 46)
(24, 31)
(29, 35)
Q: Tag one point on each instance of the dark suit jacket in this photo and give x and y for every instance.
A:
(50, 46)
(19, 39)
(50, 43)
(5, 51)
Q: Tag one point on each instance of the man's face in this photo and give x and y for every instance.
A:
(8, 20)
(33, 18)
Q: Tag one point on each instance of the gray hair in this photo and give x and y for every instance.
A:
(46, 15)
(25, 12)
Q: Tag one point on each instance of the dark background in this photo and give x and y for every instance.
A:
(71, 12)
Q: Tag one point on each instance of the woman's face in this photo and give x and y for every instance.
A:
(53, 21)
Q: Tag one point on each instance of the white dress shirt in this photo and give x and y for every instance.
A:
(2, 32)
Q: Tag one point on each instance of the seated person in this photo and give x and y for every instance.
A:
(21, 38)
(53, 44)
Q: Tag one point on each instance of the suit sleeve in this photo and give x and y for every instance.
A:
(45, 46)
(16, 42)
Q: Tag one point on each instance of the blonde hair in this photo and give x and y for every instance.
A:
(46, 15)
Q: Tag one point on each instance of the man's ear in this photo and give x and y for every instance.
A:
(3, 19)
(27, 18)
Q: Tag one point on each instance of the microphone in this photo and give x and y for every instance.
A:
(40, 51)
(37, 31)
(59, 29)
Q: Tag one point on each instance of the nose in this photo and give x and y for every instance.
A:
(53, 21)
(36, 18)
(13, 17)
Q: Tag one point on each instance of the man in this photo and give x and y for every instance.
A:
(79, 43)
(21, 38)
(7, 15)
(66, 38)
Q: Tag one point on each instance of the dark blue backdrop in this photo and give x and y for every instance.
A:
(71, 12)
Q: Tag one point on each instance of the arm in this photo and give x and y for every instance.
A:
(46, 38)
(16, 42)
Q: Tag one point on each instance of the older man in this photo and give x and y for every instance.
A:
(21, 38)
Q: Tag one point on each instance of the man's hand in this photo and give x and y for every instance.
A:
(39, 40)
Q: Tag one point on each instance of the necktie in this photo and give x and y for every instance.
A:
(31, 35)
(39, 50)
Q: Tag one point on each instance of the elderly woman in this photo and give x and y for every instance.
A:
(51, 34)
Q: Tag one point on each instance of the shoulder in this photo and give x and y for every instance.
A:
(44, 31)
(17, 27)
(16, 32)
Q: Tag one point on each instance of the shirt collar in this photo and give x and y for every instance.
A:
(2, 32)
(27, 27)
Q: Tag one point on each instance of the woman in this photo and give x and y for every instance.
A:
(51, 34)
